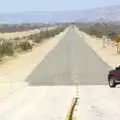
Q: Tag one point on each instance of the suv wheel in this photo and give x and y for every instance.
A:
(112, 81)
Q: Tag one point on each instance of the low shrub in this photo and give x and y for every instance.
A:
(17, 38)
(25, 45)
(99, 29)
(6, 48)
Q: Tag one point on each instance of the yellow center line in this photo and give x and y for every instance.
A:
(70, 112)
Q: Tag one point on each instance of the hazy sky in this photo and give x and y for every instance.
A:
(10, 6)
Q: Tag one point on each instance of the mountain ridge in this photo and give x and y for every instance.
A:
(96, 14)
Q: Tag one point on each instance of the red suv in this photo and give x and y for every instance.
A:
(114, 77)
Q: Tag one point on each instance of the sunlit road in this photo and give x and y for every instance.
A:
(51, 86)
(71, 62)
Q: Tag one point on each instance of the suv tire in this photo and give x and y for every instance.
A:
(112, 82)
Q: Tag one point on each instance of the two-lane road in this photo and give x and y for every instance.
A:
(51, 86)
(71, 62)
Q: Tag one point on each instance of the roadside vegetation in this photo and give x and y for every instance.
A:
(109, 29)
(8, 28)
(97, 29)
(8, 47)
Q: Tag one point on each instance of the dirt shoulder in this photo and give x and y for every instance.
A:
(108, 54)
(14, 71)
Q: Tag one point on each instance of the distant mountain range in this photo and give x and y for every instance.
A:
(111, 13)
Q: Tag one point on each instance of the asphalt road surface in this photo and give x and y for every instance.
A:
(71, 62)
